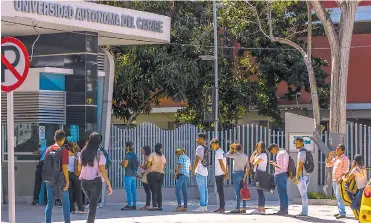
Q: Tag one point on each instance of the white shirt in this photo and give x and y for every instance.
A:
(219, 155)
(71, 164)
(200, 168)
(262, 166)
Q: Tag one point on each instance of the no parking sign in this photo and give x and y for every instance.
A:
(15, 63)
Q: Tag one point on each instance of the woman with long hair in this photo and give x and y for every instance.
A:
(75, 184)
(359, 174)
(259, 161)
(241, 169)
(157, 163)
(93, 172)
(146, 151)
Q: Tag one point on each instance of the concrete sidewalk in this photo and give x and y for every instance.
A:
(111, 213)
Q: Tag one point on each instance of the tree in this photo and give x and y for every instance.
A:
(340, 40)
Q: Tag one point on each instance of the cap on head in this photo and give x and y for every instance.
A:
(202, 135)
(179, 150)
(130, 145)
(272, 146)
(214, 141)
(300, 139)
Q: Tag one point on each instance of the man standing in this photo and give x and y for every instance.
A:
(302, 176)
(38, 179)
(340, 164)
(221, 172)
(55, 175)
(201, 172)
(182, 176)
(281, 176)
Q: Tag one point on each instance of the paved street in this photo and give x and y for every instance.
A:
(111, 214)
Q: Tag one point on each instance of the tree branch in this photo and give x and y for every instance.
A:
(257, 19)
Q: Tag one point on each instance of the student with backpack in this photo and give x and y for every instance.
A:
(202, 162)
(305, 166)
(93, 173)
(55, 175)
(281, 168)
(131, 165)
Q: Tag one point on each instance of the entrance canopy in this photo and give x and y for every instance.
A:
(114, 25)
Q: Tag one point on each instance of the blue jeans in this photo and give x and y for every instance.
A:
(51, 199)
(303, 189)
(281, 183)
(356, 202)
(131, 190)
(237, 178)
(182, 185)
(202, 187)
(341, 206)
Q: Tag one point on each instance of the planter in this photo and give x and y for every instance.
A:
(329, 202)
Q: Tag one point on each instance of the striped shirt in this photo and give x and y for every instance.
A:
(282, 160)
(340, 166)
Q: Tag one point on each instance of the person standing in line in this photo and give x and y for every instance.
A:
(241, 169)
(182, 176)
(131, 167)
(156, 162)
(259, 161)
(221, 172)
(359, 173)
(146, 151)
(93, 173)
(302, 176)
(201, 172)
(55, 175)
(340, 163)
(108, 164)
(38, 178)
(75, 185)
(281, 176)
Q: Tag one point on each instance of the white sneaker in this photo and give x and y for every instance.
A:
(100, 205)
(200, 209)
(87, 206)
(205, 209)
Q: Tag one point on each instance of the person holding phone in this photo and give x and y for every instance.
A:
(259, 161)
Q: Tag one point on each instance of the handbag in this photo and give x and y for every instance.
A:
(144, 178)
(245, 191)
(77, 172)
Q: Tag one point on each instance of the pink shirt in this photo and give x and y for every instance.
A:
(92, 172)
(282, 160)
(341, 166)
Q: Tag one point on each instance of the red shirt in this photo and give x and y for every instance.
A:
(64, 153)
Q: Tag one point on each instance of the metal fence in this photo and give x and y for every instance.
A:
(358, 141)
(182, 137)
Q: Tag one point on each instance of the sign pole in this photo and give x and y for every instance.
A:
(10, 133)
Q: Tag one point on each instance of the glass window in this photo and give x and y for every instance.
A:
(26, 137)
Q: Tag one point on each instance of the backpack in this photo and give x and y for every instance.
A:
(291, 170)
(52, 166)
(106, 155)
(206, 161)
(309, 164)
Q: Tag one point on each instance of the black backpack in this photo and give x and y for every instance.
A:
(52, 166)
(309, 163)
(291, 170)
(134, 163)
(206, 161)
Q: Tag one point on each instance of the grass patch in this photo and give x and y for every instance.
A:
(316, 195)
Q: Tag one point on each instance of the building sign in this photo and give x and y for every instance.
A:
(41, 132)
(84, 14)
(308, 143)
(74, 133)
(209, 115)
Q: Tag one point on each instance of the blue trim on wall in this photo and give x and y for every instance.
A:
(53, 82)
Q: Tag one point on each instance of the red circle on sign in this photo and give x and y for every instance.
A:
(21, 78)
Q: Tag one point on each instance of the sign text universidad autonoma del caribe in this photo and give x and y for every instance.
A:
(83, 14)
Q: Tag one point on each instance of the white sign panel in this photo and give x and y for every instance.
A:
(41, 132)
(308, 143)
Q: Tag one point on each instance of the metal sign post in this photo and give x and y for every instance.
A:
(15, 64)
(11, 186)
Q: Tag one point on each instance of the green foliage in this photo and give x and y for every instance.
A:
(147, 73)
(316, 195)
